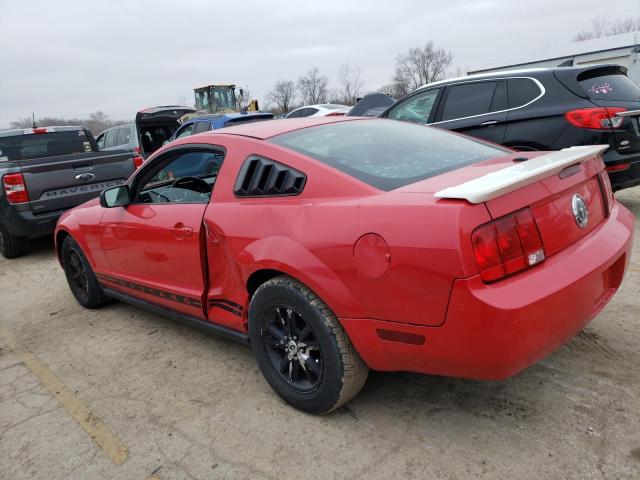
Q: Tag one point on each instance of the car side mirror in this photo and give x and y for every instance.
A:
(115, 197)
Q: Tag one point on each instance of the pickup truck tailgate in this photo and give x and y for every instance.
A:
(62, 182)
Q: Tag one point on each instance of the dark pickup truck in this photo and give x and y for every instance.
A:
(45, 171)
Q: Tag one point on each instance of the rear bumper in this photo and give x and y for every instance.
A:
(492, 332)
(21, 222)
(624, 178)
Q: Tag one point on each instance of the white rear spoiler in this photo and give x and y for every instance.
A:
(508, 179)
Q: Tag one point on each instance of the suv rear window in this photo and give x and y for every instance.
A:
(609, 87)
(387, 154)
(38, 145)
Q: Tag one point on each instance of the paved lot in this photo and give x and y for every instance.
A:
(169, 402)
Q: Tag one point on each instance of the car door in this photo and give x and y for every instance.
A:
(476, 108)
(153, 245)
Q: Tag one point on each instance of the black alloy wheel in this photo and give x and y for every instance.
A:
(292, 348)
(79, 280)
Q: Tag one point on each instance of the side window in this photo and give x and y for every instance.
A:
(186, 131)
(183, 178)
(202, 127)
(295, 113)
(468, 100)
(522, 91)
(110, 138)
(124, 136)
(100, 141)
(307, 112)
(416, 108)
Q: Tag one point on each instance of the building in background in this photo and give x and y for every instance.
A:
(623, 49)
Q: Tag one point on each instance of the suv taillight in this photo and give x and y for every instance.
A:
(600, 118)
(15, 188)
(138, 161)
(507, 245)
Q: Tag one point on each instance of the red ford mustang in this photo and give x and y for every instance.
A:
(338, 245)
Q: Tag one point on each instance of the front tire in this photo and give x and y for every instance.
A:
(11, 246)
(301, 349)
(82, 281)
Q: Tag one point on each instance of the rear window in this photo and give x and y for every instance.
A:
(387, 154)
(522, 91)
(38, 145)
(610, 87)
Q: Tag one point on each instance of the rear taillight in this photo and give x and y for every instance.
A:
(138, 161)
(606, 191)
(618, 168)
(138, 150)
(335, 114)
(507, 245)
(15, 188)
(600, 118)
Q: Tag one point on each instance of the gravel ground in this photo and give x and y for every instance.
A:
(188, 405)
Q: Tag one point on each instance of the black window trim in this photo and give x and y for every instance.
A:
(493, 79)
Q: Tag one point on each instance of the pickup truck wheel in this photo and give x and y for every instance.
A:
(10, 246)
(80, 276)
(301, 349)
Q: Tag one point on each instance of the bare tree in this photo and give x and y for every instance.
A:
(351, 82)
(625, 26)
(598, 28)
(182, 100)
(313, 87)
(420, 65)
(283, 96)
(602, 26)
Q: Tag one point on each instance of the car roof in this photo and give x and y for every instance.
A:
(520, 71)
(212, 117)
(271, 128)
(59, 128)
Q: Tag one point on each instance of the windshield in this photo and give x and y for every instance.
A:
(38, 145)
(387, 154)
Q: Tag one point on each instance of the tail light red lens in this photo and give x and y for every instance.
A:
(335, 114)
(600, 118)
(138, 161)
(621, 167)
(507, 245)
(15, 188)
(606, 191)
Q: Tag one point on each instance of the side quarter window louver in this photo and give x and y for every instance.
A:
(261, 177)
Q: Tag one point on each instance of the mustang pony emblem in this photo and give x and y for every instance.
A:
(580, 211)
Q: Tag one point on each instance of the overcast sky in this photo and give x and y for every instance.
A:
(70, 58)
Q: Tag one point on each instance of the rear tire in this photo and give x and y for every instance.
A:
(82, 281)
(301, 349)
(11, 246)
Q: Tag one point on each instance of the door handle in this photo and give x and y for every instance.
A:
(179, 231)
(489, 123)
